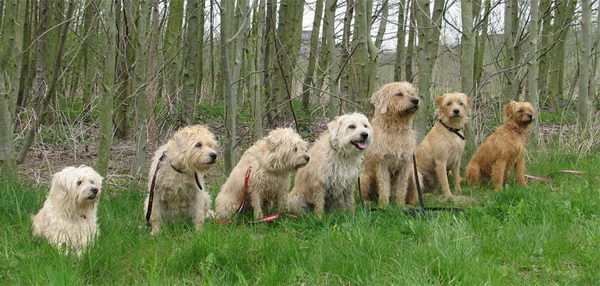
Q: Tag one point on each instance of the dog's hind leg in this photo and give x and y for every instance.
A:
(399, 184)
(498, 174)
(520, 172)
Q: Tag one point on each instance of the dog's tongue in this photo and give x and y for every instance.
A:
(361, 145)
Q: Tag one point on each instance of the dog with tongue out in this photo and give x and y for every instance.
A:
(326, 183)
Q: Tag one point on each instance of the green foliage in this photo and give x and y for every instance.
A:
(541, 235)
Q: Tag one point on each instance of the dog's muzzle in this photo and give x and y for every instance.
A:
(361, 144)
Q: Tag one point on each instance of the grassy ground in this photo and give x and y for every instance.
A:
(537, 236)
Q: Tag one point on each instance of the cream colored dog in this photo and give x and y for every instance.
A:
(180, 188)
(327, 182)
(68, 217)
(387, 163)
(442, 149)
(271, 161)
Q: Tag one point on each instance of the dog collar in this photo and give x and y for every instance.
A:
(453, 130)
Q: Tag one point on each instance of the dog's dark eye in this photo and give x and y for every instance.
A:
(460, 103)
(366, 126)
(79, 183)
(449, 103)
(198, 145)
(399, 94)
(352, 126)
(295, 149)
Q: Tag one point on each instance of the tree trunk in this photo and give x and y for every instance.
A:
(511, 85)
(480, 43)
(8, 165)
(328, 33)
(171, 47)
(230, 98)
(269, 43)
(545, 15)
(411, 41)
(364, 56)
(121, 117)
(259, 30)
(89, 57)
(287, 44)
(467, 47)
(564, 15)
(312, 59)
(382, 23)
(108, 87)
(192, 66)
(586, 55)
(532, 65)
(139, 11)
(428, 29)
(346, 49)
(25, 78)
(49, 97)
(12, 40)
(401, 38)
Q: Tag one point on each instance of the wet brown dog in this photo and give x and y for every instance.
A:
(504, 149)
(387, 162)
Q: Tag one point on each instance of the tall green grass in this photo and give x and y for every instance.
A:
(538, 236)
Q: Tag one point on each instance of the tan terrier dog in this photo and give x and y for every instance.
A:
(268, 164)
(442, 149)
(504, 149)
(179, 182)
(327, 182)
(387, 162)
(68, 217)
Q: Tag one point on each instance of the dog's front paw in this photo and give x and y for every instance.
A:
(155, 231)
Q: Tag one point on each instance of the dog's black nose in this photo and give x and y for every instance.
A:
(530, 116)
(213, 156)
(94, 190)
(456, 111)
(307, 158)
(364, 135)
(415, 101)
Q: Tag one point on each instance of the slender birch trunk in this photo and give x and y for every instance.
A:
(108, 86)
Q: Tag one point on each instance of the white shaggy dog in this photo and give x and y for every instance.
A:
(68, 217)
(271, 161)
(179, 182)
(327, 182)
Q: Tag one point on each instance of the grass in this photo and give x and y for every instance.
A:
(537, 236)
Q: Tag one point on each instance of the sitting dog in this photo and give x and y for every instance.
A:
(268, 165)
(177, 172)
(387, 162)
(504, 149)
(442, 149)
(68, 217)
(327, 182)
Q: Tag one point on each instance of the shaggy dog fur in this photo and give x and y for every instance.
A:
(387, 162)
(271, 159)
(327, 182)
(441, 150)
(68, 217)
(190, 153)
(504, 149)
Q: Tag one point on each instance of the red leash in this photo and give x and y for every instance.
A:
(549, 181)
(246, 197)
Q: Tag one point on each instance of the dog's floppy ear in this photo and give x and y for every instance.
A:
(469, 100)
(439, 100)
(63, 180)
(334, 128)
(508, 109)
(181, 140)
(380, 101)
